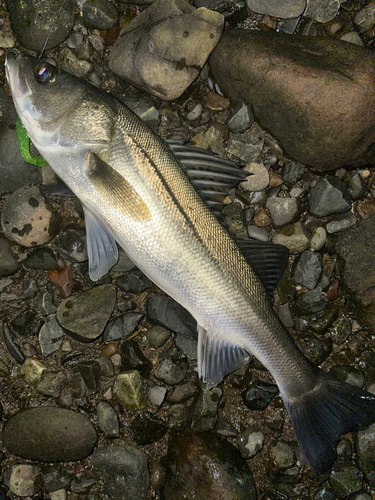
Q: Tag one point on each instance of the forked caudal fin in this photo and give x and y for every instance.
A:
(333, 408)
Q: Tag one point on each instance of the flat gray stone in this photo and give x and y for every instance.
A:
(288, 9)
(49, 434)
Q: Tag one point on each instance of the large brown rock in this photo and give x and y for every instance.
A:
(315, 95)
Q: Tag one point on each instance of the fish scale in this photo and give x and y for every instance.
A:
(135, 191)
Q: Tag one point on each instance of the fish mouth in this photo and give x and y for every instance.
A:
(18, 84)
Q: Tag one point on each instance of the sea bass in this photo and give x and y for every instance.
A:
(136, 191)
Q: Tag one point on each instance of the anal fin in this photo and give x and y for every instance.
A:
(101, 247)
(217, 357)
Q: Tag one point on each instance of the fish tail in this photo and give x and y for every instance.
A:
(330, 409)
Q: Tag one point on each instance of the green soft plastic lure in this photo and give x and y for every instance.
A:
(24, 145)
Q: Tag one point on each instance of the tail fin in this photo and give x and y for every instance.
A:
(331, 409)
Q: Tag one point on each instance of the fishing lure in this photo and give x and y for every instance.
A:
(24, 145)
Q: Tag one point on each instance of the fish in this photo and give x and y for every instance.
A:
(161, 203)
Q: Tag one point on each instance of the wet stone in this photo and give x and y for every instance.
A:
(312, 301)
(293, 237)
(355, 185)
(178, 417)
(134, 282)
(70, 63)
(258, 395)
(286, 316)
(122, 327)
(72, 245)
(129, 390)
(283, 210)
(134, 359)
(257, 233)
(147, 428)
(26, 323)
(50, 336)
(293, 172)
(49, 434)
(124, 264)
(329, 196)
(41, 258)
(29, 289)
(315, 349)
(100, 14)
(365, 446)
(25, 479)
(283, 454)
(90, 372)
(124, 470)
(341, 222)
(27, 219)
(182, 393)
(106, 367)
(44, 303)
(205, 467)
(155, 394)
(340, 330)
(308, 269)
(250, 441)
(8, 264)
(345, 479)
(241, 119)
(324, 493)
(205, 409)
(171, 371)
(168, 313)
(51, 384)
(13, 348)
(157, 336)
(107, 419)
(96, 304)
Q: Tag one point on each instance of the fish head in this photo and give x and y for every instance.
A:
(58, 110)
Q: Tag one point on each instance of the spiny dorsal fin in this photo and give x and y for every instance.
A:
(213, 177)
(267, 260)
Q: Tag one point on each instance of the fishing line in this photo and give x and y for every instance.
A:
(52, 27)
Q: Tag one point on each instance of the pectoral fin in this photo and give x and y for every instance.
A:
(101, 248)
(216, 357)
(113, 186)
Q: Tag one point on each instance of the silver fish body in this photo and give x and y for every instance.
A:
(135, 192)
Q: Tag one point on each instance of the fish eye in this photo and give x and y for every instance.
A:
(45, 73)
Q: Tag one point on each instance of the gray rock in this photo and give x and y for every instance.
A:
(129, 390)
(228, 475)
(156, 394)
(181, 39)
(100, 14)
(286, 316)
(365, 445)
(27, 219)
(14, 349)
(341, 222)
(144, 107)
(248, 145)
(122, 327)
(134, 282)
(15, 173)
(322, 11)
(170, 372)
(50, 336)
(308, 269)
(70, 63)
(241, 119)
(293, 237)
(365, 18)
(345, 479)
(8, 264)
(25, 479)
(71, 244)
(36, 22)
(44, 303)
(355, 185)
(106, 367)
(341, 329)
(124, 263)
(107, 419)
(250, 441)
(157, 336)
(312, 301)
(283, 454)
(29, 289)
(287, 10)
(124, 470)
(182, 393)
(90, 373)
(41, 258)
(96, 304)
(348, 374)
(283, 210)
(74, 40)
(257, 233)
(49, 434)
(55, 477)
(329, 196)
(51, 384)
(259, 68)
(293, 172)
(205, 409)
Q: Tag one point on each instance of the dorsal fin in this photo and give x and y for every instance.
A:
(267, 260)
(213, 177)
